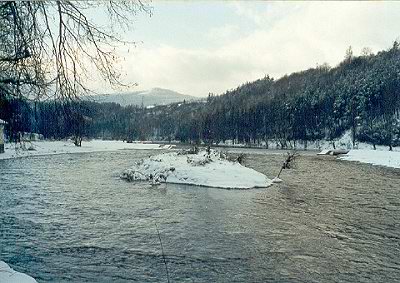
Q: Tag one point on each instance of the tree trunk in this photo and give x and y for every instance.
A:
(78, 141)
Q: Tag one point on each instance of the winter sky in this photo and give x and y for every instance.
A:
(199, 47)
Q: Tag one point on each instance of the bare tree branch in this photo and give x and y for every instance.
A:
(52, 48)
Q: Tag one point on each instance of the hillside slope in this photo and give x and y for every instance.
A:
(154, 96)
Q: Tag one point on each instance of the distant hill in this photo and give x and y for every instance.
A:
(154, 96)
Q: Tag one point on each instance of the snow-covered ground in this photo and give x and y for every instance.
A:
(362, 152)
(202, 169)
(375, 157)
(9, 275)
(59, 147)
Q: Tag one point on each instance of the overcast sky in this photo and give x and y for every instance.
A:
(199, 47)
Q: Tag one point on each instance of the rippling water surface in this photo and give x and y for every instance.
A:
(69, 218)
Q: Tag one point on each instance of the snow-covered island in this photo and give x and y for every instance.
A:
(9, 275)
(210, 169)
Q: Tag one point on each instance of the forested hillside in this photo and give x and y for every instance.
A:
(362, 94)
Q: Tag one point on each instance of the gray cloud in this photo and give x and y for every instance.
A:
(289, 37)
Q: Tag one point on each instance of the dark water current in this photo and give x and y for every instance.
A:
(69, 218)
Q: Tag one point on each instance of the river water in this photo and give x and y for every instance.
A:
(70, 218)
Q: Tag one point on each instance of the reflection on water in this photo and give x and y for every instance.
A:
(69, 218)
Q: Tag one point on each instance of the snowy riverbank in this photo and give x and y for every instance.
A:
(375, 157)
(59, 147)
(202, 169)
(344, 142)
(9, 275)
(364, 154)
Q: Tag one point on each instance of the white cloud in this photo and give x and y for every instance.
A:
(288, 37)
(222, 33)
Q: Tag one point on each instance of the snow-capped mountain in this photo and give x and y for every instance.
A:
(154, 96)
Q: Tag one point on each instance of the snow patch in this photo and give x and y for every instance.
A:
(375, 157)
(277, 180)
(59, 147)
(333, 152)
(9, 275)
(201, 169)
(324, 152)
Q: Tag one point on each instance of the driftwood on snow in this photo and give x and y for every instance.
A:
(333, 152)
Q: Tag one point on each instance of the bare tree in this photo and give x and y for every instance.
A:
(366, 52)
(51, 48)
(349, 54)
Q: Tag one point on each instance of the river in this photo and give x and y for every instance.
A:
(70, 218)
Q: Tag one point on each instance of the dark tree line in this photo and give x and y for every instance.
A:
(361, 94)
